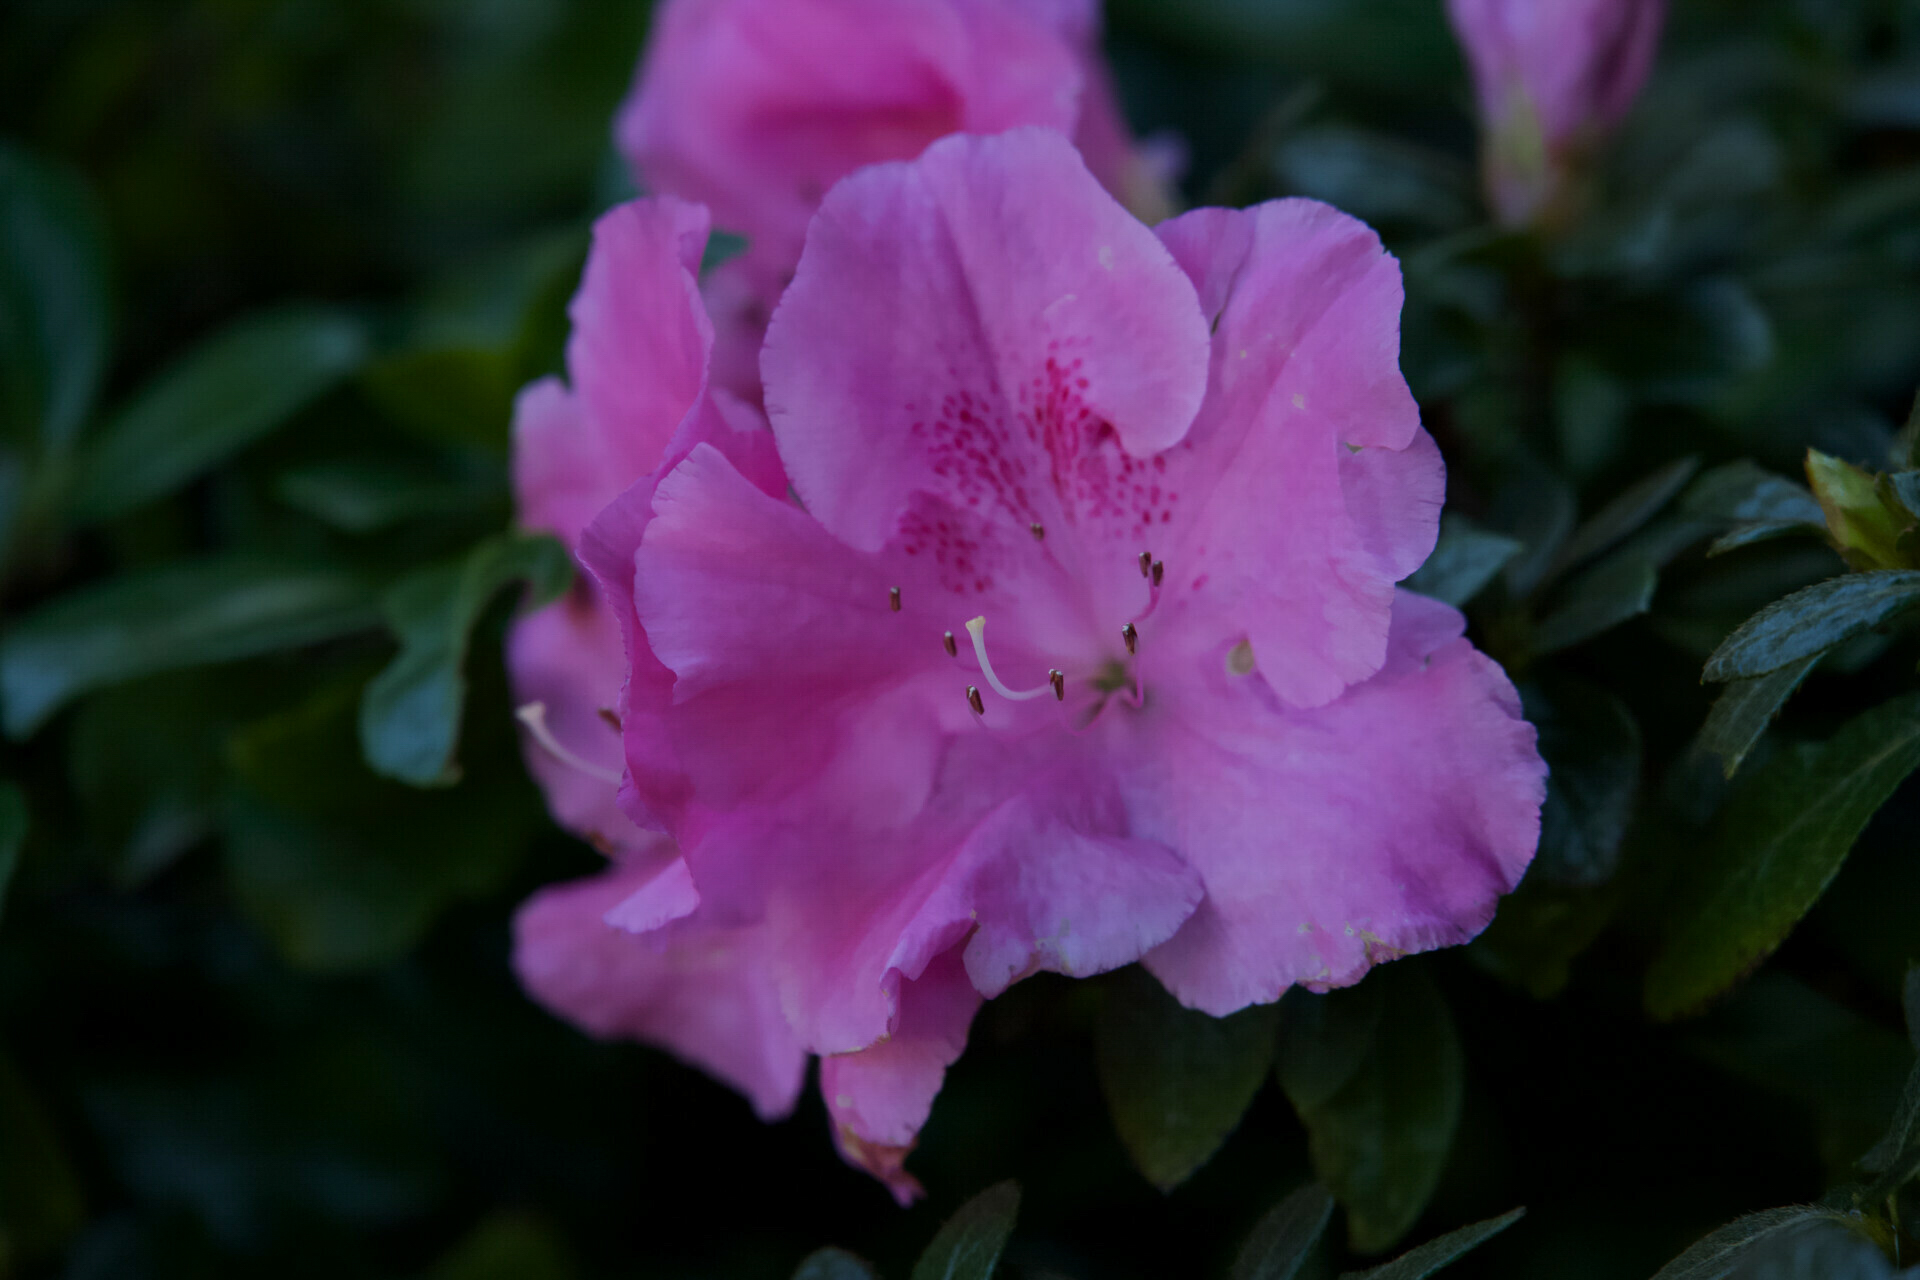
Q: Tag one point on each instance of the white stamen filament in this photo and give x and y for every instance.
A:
(534, 716)
(977, 629)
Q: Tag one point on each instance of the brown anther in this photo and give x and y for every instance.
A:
(973, 700)
(953, 650)
(1146, 563)
(612, 718)
(1059, 683)
(893, 599)
(1159, 571)
(1132, 638)
(1039, 531)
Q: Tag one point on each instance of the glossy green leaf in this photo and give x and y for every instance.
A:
(968, 1246)
(221, 397)
(410, 718)
(194, 613)
(1418, 1263)
(1720, 1255)
(1744, 492)
(1376, 1074)
(1463, 562)
(1614, 591)
(1284, 1236)
(1811, 621)
(370, 494)
(53, 302)
(1176, 1080)
(1626, 512)
(1591, 744)
(1780, 839)
(834, 1264)
(1745, 708)
(13, 834)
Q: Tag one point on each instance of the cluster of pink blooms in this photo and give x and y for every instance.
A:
(982, 581)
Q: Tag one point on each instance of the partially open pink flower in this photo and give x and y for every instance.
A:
(638, 361)
(1552, 76)
(1081, 644)
(757, 107)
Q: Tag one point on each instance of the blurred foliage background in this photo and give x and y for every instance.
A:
(270, 274)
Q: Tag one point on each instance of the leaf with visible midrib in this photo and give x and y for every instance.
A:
(1176, 1080)
(969, 1245)
(1781, 838)
(1811, 621)
(1418, 1263)
(1745, 708)
(1715, 1256)
(1283, 1237)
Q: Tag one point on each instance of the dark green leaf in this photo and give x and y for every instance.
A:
(1617, 589)
(367, 495)
(1591, 744)
(220, 398)
(969, 1245)
(1633, 507)
(1910, 1004)
(1176, 1080)
(722, 247)
(410, 718)
(1377, 176)
(1284, 1236)
(188, 614)
(1780, 839)
(1761, 531)
(1379, 1124)
(1811, 621)
(833, 1264)
(1912, 432)
(1906, 486)
(1463, 562)
(53, 302)
(1716, 1256)
(1418, 1263)
(508, 1246)
(1745, 708)
(13, 834)
(40, 1197)
(1540, 930)
(1538, 510)
(1756, 502)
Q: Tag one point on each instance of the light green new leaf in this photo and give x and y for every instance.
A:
(1780, 839)
(1463, 562)
(1811, 621)
(1376, 1074)
(1418, 1263)
(1176, 1080)
(222, 396)
(195, 613)
(968, 1246)
(833, 1264)
(1283, 1237)
(410, 716)
(1745, 708)
(53, 302)
(13, 833)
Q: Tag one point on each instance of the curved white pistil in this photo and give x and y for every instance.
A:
(534, 716)
(977, 629)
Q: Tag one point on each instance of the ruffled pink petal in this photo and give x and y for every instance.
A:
(1387, 822)
(989, 327)
(1307, 487)
(757, 107)
(698, 991)
(880, 1098)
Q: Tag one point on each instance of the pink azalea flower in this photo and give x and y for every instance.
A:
(756, 107)
(1552, 77)
(638, 360)
(1081, 644)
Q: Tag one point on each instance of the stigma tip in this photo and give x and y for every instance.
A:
(952, 648)
(1059, 683)
(1132, 637)
(974, 700)
(893, 599)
